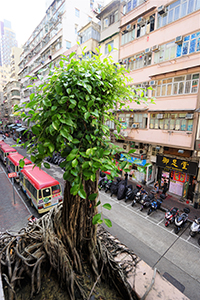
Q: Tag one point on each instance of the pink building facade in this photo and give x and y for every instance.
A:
(160, 46)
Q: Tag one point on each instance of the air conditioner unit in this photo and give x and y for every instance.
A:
(141, 21)
(120, 61)
(189, 116)
(135, 125)
(179, 39)
(147, 51)
(124, 133)
(152, 82)
(160, 116)
(126, 147)
(156, 48)
(161, 10)
(129, 27)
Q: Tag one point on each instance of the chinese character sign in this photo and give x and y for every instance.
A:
(179, 165)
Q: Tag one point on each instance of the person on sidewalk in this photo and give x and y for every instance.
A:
(156, 187)
(164, 187)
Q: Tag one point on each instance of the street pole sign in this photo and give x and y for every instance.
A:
(12, 175)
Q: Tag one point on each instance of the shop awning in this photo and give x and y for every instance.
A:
(137, 161)
(11, 125)
(20, 129)
(15, 127)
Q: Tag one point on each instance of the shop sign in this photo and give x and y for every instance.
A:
(177, 164)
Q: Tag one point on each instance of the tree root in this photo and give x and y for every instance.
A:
(24, 253)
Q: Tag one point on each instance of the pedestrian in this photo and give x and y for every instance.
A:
(164, 187)
(156, 187)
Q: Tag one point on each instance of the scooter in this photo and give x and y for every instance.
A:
(114, 187)
(146, 201)
(129, 193)
(155, 204)
(181, 220)
(136, 194)
(102, 183)
(171, 215)
(195, 227)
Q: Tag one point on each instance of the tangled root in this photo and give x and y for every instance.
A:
(22, 254)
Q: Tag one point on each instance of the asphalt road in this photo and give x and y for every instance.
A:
(175, 256)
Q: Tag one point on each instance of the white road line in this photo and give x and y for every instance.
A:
(145, 217)
(18, 194)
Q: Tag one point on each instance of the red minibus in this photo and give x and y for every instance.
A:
(43, 190)
(4, 151)
(12, 163)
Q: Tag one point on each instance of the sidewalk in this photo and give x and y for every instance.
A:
(13, 216)
(172, 201)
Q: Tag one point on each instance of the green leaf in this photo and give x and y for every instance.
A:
(56, 124)
(64, 132)
(86, 115)
(109, 48)
(107, 222)
(132, 151)
(82, 194)
(74, 190)
(98, 203)
(47, 165)
(92, 197)
(21, 163)
(71, 156)
(107, 152)
(63, 100)
(41, 149)
(53, 108)
(107, 206)
(69, 91)
(96, 218)
(74, 163)
(32, 96)
(46, 102)
(61, 64)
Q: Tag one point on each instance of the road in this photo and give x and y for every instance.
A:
(176, 257)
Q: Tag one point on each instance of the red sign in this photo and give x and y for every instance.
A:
(10, 175)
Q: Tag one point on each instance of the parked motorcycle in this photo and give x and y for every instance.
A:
(108, 185)
(146, 201)
(102, 183)
(121, 190)
(195, 227)
(129, 193)
(155, 204)
(181, 220)
(171, 215)
(114, 187)
(136, 194)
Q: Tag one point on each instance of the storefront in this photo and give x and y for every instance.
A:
(179, 174)
(140, 175)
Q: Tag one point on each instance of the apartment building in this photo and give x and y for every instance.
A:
(4, 78)
(7, 41)
(14, 62)
(11, 94)
(110, 16)
(56, 34)
(160, 46)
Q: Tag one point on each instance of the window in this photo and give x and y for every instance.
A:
(77, 13)
(146, 27)
(55, 189)
(128, 36)
(68, 45)
(107, 46)
(127, 120)
(46, 192)
(105, 23)
(170, 121)
(138, 61)
(177, 85)
(177, 10)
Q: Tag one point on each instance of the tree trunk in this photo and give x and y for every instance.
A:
(77, 217)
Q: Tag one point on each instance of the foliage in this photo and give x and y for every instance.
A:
(69, 111)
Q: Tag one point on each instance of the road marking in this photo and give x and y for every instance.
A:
(147, 217)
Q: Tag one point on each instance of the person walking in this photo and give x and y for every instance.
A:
(126, 178)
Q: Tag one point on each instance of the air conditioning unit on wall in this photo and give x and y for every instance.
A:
(179, 39)
(128, 27)
(141, 21)
(126, 147)
(189, 116)
(160, 116)
(161, 10)
(156, 48)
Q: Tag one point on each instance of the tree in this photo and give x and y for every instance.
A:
(70, 110)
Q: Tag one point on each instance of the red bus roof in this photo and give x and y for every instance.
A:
(39, 178)
(15, 158)
(7, 148)
(2, 143)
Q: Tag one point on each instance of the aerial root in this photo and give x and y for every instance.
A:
(24, 253)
